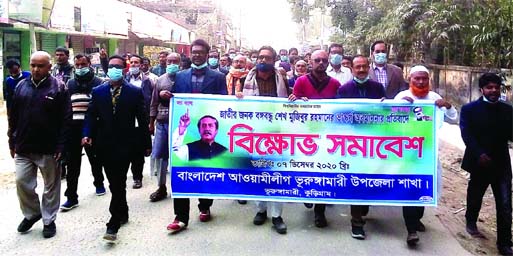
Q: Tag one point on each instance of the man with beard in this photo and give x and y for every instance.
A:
(80, 89)
(420, 90)
(112, 114)
(197, 79)
(159, 124)
(486, 127)
(266, 80)
(237, 76)
(316, 85)
(360, 87)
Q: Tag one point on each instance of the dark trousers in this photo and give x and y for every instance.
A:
(501, 187)
(116, 169)
(357, 213)
(412, 216)
(182, 207)
(319, 209)
(74, 157)
(137, 158)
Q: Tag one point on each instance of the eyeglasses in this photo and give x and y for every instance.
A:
(321, 60)
(262, 57)
(115, 66)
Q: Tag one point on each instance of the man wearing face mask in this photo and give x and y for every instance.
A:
(159, 112)
(360, 87)
(266, 80)
(232, 53)
(283, 62)
(486, 128)
(115, 108)
(237, 75)
(253, 55)
(213, 62)
(198, 79)
(136, 77)
(390, 76)
(335, 69)
(15, 76)
(80, 89)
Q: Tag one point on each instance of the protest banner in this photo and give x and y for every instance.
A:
(319, 151)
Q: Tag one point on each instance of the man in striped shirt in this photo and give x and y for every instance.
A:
(80, 88)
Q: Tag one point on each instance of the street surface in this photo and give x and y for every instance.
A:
(231, 231)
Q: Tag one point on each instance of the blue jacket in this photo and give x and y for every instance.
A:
(115, 133)
(10, 85)
(213, 83)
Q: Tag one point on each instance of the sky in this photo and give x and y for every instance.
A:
(264, 22)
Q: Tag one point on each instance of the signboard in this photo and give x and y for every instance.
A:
(26, 10)
(320, 151)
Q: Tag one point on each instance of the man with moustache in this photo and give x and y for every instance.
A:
(486, 128)
(420, 90)
(237, 76)
(266, 80)
(360, 87)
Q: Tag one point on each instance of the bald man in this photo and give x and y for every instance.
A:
(38, 127)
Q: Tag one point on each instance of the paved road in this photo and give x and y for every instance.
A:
(231, 231)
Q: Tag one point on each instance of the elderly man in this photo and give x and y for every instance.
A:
(420, 90)
(361, 86)
(266, 80)
(336, 69)
(237, 75)
(38, 127)
(390, 76)
(159, 112)
(486, 127)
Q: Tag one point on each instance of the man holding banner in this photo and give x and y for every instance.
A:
(265, 80)
(361, 87)
(317, 85)
(197, 79)
(420, 90)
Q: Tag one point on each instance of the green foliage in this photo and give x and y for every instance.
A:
(460, 32)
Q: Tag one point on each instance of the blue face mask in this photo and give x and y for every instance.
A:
(380, 58)
(213, 62)
(115, 74)
(284, 58)
(82, 71)
(264, 67)
(360, 81)
(336, 59)
(172, 68)
(232, 56)
(202, 66)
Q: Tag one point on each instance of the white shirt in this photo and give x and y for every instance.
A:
(451, 114)
(342, 76)
(181, 151)
(137, 81)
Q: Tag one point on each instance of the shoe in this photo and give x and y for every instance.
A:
(49, 230)
(421, 227)
(69, 204)
(205, 216)
(242, 201)
(279, 225)
(412, 238)
(308, 205)
(159, 194)
(260, 218)
(320, 221)
(137, 184)
(110, 236)
(176, 226)
(357, 233)
(26, 225)
(100, 191)
(505, 250)
(123, 221)
(473, 231)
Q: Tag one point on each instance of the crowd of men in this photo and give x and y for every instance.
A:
(56, 112)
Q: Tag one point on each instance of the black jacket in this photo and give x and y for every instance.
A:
(486, 128)
(40, 117)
